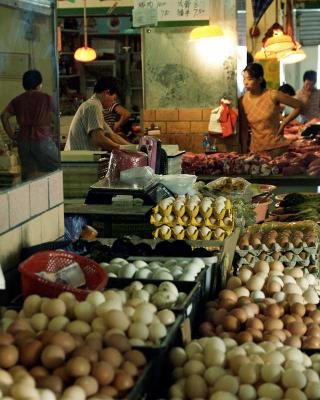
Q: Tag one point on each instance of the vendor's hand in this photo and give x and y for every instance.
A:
(280, 131)
(117, 127)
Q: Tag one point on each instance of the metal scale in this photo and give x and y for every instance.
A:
(103, 191)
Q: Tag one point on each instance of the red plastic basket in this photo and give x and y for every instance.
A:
(52, 261)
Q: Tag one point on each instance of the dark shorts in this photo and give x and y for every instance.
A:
(38, 156)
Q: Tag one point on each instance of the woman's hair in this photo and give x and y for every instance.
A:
(255, 70)
(287, 89)
(31, 79)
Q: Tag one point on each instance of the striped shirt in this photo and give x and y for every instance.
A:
(88, 117)
(110, 115)
(311, 108)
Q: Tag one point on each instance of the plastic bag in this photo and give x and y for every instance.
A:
(121, 160)
(73, 225)
(137, 176)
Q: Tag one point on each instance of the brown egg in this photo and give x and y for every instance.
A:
(276, 266)
(315, 315)
(103, 372)
(280, 334)
(94, 343)
(219, 329)
(211, 304)
(297, 308)
(112, 355)
(218, 316)
(46, 337)
(89, 384)
(78, 366)
(313, 330)
(311, 342)
(263, 256)
(243, 300)
(228, 294)
(22, 337)
(272, 311)
(271, 324)
(297, 242)
(64, 340)
(256, 334)
(230, 323)
(109, 391)
(244, 337)
(53, 383)
(30, 353)
(86, 352)
(39, 371)
(254, 323)
(240, 314)
(206, 329)
(118, 341)
(236, 362)
(310, 307)
(307, 320)
(273, 287)
(136, 357)
(287, 319)
(9, 356)
(122, 381)
(78, 340)
(228, 335)
(297, 328)
(287, 333)
(52, 356)
(227, 304)
(6, 338)
(130, 368)
(62, 373)
(293, 341)
(268, 337)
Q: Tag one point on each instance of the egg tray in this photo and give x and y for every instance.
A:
(141, 386)
(193, 290)
(277, 248)
(205, 276)
(296, 261)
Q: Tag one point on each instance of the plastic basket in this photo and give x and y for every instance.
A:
(52, 261)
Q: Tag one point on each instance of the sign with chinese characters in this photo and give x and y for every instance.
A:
(176, 10)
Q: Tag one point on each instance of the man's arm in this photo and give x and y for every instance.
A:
(5, 117)
(124, 116)
(99, 139)
(117, 138)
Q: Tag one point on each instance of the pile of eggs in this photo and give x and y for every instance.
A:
(219, 369)
(173, 269)
(253, 308)
(58, 365)
(127, 312)
(292, 284)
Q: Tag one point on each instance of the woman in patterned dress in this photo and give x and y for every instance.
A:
(259, 111)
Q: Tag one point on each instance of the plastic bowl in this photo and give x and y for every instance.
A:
(178, 184)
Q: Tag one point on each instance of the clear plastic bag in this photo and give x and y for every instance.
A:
(137, 176)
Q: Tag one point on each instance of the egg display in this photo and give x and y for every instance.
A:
(172, 269)
(140, 312)
(293, 244)
(267, 302)
(58, 365)
(193, 217)
(219, 369)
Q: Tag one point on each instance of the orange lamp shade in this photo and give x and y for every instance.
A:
(279, 42)
(293, 56)
(205, 32)
(85, 54)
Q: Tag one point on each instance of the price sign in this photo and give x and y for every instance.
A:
(176, 10)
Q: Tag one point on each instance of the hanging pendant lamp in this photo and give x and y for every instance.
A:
(205, 32)
(85, 53)
(279, 42)
(293, 56)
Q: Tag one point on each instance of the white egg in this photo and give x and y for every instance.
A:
(140, 264)
(143, 273)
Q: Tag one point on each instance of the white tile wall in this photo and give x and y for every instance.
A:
(4, 212)
(19, 205)
(39, 196)
(10, 247)
(32, 232)
(30, 214)
(55, 189)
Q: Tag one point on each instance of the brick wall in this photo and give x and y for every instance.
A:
(185, 127)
